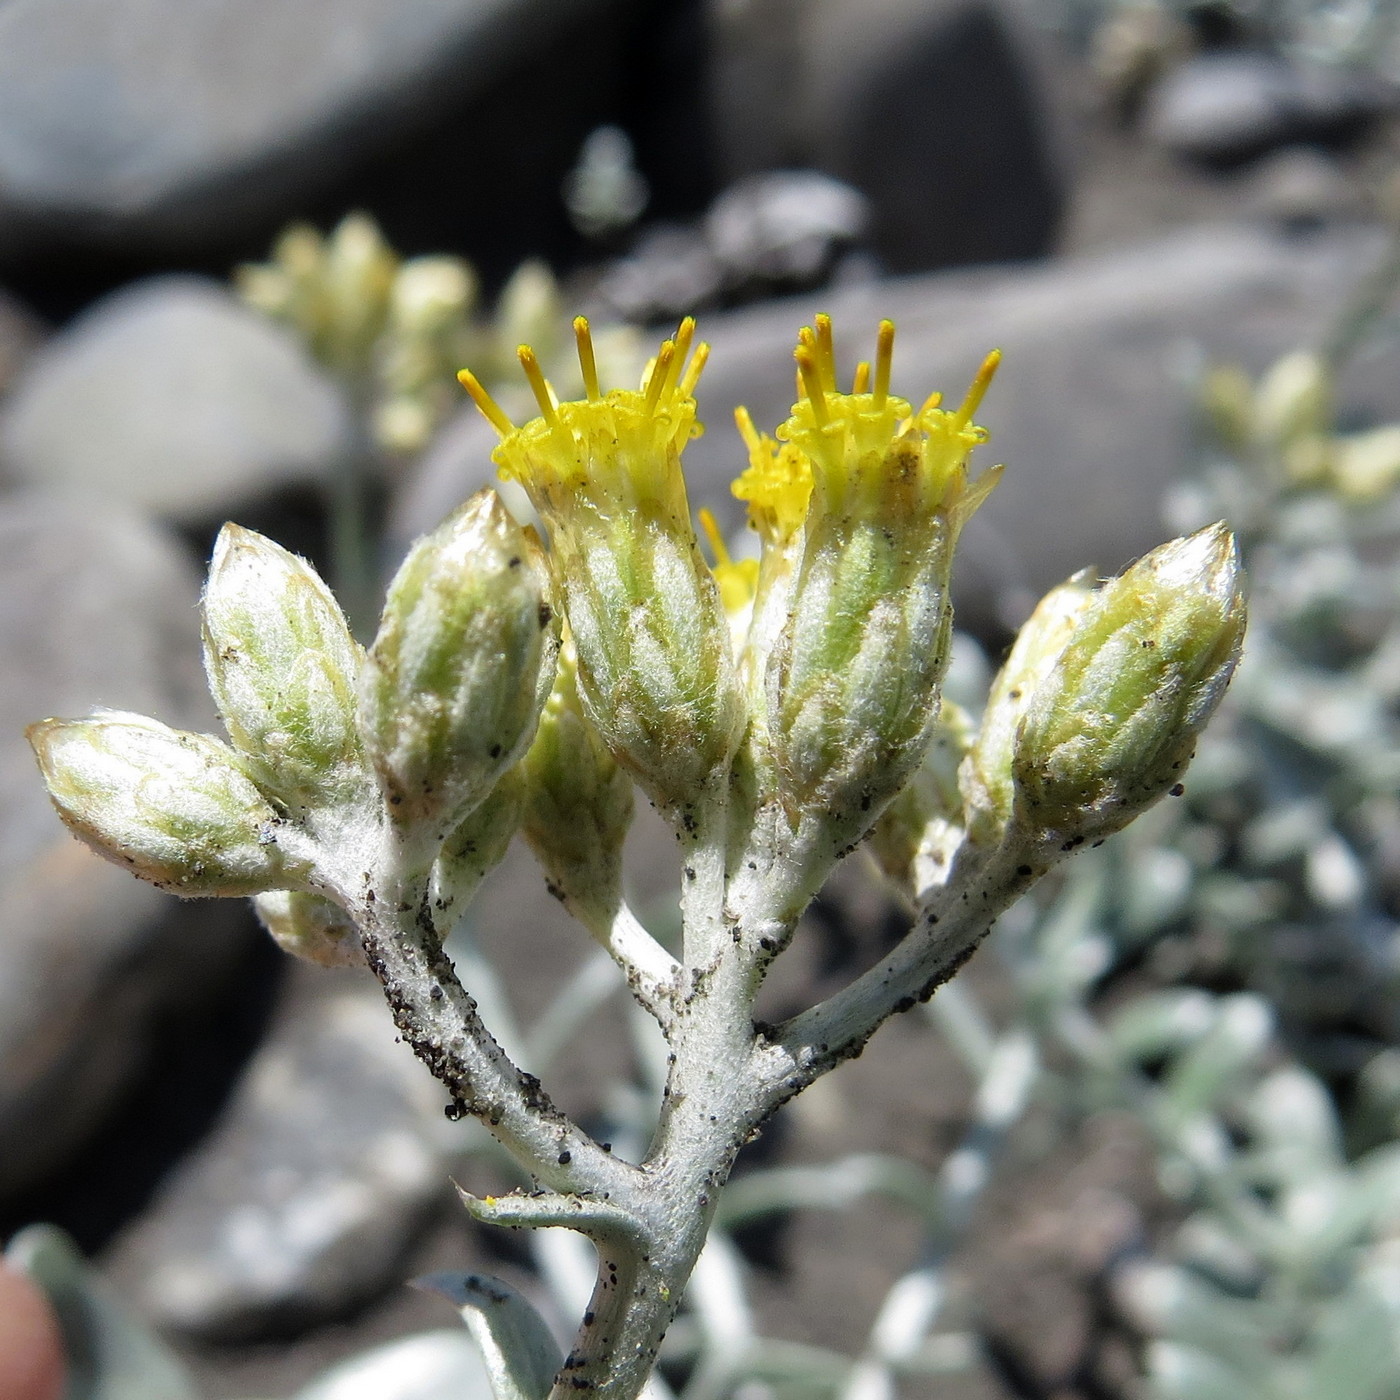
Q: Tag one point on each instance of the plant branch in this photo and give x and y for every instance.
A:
(441, 1023)
(653, 975)
(946, 933)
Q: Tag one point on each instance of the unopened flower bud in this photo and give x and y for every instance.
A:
(853, 679)
(310, 927)
(176, 809)
(1293, 401)
(655, 661)
(282, 667)
(357, 279)
(474, 849)
(1114, 724)
(430, 295)
(452, 686)
(987, 779)
(915, 839)
(578, 804)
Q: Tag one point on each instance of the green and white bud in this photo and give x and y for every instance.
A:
(1293, 402)
(454, 683)
(357, 280)
(282, 667)
(475, 849)
(310, 927)
(915, 839)
(987, 780)
(1115, 723)
(177, 809)
(431, 295)
(578, 804)
(852, 682)
(655, 661)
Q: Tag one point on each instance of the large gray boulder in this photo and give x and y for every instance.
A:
(1230, 106)
(96, 608)
(176, 123)
(20, 334)
(938, 111)
(324, 1165)
(174, 397)
(1092, 411)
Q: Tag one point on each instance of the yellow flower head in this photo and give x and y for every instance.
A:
(737, 578)
(777, 485)
(869, 453)
(619, 449)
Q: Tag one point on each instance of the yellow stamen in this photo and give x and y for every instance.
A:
(930, 403)
(826, 352)
(980, 383)
(884, 357)
(684, 334)
(544, 395)
(713, 537)
(697, 367)
(660, 373)
(587, 363)
(490, 409)
(743, 420)
(810, 379)
(861, 383)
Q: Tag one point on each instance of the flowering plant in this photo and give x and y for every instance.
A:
(779, 712)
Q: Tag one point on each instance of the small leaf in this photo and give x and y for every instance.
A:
(439, 1365)
(1183, 1373)
(1358, 1354)
(520, 1352)
(110, 1355)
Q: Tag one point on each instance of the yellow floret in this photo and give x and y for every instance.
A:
(621, 448)
(868, 451)
(777, 485)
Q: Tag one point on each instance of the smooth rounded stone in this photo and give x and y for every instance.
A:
(324, 1167)
(173, 396)
(97, 607)
(1303, 188)
(20, 334)
(1092, 410)
(938, 111)
(1230, 106)
(670, 271)
(784, 226)
(169, 121)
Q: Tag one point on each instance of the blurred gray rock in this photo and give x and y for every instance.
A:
(174, 397)
(96, 608)
(936, 110)
(1303, 187)
(671, 270)
(301, 1204)
(784, 227)
(1092, 410)
(20, 334)
(125, 122)
(1228, 106)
